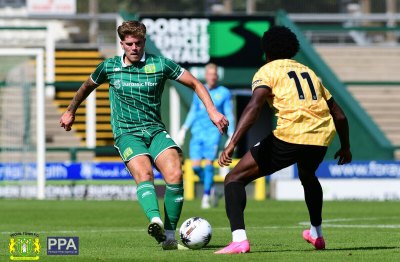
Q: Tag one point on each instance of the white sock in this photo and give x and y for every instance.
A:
(157, 220)
(170, 234)
(316, 232)
(239, 235)
(205, 198)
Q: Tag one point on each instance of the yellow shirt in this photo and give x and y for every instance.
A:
(299, 100)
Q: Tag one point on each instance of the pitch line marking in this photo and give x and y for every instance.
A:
(328, 222)
(300, 225)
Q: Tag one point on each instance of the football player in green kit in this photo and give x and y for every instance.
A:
(136, 82)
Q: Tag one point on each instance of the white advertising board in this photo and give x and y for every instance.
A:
(341, 189)
(51, 7)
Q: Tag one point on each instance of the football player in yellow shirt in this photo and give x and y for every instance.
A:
(307, 120)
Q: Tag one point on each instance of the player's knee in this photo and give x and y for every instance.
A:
(143, 175)
(231, 177)
(173, 176)
(307, 178)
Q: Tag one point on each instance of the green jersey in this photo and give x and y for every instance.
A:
(135, 91)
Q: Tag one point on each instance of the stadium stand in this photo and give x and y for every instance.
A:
(72, 68)
(54, 138)
(371, 76)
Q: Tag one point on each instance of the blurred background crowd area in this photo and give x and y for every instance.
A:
(93, 21)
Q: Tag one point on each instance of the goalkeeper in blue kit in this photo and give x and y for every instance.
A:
(205, 137)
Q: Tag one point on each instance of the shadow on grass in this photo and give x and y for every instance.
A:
(327, 250)
(361, 248)
(209, 247)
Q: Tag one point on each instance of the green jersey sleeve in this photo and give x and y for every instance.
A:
(99, 76)
(172, 70)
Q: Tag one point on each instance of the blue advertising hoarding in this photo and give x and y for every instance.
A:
(68, 171)
(358, 170)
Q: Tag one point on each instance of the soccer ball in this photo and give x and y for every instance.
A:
(195, 232)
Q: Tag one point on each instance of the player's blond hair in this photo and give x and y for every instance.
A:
(211, 66)
(133, 28)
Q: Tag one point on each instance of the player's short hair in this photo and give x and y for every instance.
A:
(279, 42)
(133, 28)
(211, 66)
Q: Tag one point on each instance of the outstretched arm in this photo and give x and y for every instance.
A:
(248, 118)
(228, 112)
(190, 118)
(216, 117)
(68, 118)
(342, 128)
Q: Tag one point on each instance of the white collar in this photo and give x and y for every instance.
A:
(125, 65)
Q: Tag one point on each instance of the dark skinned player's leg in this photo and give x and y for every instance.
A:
(235, 194)
(310, 158)
(235, 202)
(313, 194)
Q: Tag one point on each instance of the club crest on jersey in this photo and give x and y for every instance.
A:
(149, 69)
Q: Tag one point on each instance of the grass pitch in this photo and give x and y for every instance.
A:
(116, 230)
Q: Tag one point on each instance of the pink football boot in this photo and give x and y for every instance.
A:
(318, 243)
(235, 248)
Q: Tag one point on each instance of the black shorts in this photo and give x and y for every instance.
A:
(273, 154)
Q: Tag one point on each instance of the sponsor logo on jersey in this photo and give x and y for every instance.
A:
(117, 84)
(127, 152)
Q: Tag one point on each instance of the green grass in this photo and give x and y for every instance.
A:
(115, 230)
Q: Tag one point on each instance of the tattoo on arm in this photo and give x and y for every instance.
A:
(83, 92)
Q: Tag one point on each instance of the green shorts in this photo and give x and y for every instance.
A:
(135, 144)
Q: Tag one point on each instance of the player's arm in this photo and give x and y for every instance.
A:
(248, 118)
(228, 112)
(68, 118)
(342, 128)
(191, 116)
(216, 117)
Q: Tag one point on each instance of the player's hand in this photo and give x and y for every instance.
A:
(226, 156)
(67, 120)
(344, 155)
(180, 139)
(219, 121)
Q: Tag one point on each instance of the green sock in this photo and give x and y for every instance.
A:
(173, 202)
(147, 197)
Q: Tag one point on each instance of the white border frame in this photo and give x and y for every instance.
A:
(40, 112)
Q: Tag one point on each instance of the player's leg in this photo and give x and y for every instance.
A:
(168, 160)
(209, 151)
(208, 182)
(265, 158)
(135, 155)
(235, 202)
(141, 169)
(310, 158)
(195, 155)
